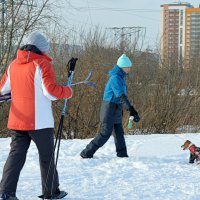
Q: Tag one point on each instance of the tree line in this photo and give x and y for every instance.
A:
(166, 97)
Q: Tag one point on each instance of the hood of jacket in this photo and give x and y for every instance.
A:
(117, 71)
(24, 56)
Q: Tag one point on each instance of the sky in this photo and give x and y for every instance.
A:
(117, 13)
(157, 169)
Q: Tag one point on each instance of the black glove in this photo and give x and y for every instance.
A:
(134, 113)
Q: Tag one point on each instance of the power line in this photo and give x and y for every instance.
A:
(127, 11)
(84, 9)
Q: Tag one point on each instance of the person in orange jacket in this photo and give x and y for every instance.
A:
(30, 79)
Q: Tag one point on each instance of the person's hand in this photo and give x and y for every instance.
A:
(136, 118)
(134, 113)
(70, 92)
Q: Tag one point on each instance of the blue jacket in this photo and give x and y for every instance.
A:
(116, 85)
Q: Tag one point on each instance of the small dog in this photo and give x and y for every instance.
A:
(194, 151)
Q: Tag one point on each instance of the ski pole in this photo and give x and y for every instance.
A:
(86, 81)
(71, 68)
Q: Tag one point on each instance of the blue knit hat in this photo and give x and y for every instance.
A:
(124, 61)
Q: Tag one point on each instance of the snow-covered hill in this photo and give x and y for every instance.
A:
(157, 169)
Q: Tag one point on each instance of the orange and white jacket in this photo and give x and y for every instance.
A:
(30, 79)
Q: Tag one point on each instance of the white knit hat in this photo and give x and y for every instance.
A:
(38, 40)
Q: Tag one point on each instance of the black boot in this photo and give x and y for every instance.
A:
(57, 195)
(122, 153)
(89, 150)
(7, 197)
(85, 154)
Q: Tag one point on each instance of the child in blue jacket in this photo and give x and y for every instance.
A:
(114, 100)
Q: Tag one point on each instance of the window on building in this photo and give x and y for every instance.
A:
(181, 18)
(181, 35)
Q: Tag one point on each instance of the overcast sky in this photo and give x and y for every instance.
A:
(118, 13)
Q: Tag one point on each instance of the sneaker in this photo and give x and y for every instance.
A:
(57, 195)
(7, 197)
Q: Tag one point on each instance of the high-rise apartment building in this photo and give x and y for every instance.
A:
(192, 33)
(180, 33)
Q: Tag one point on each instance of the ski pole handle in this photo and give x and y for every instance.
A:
(71, 67)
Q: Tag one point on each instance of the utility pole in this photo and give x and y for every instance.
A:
(126, 35)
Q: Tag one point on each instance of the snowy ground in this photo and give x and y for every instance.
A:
(157, 169)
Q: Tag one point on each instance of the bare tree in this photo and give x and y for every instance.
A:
(17, 19)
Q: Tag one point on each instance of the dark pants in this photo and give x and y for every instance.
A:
(44, 140)
(111, 122)
(102, 138)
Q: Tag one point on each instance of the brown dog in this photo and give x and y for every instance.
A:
(186, 145)
(194, 151)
